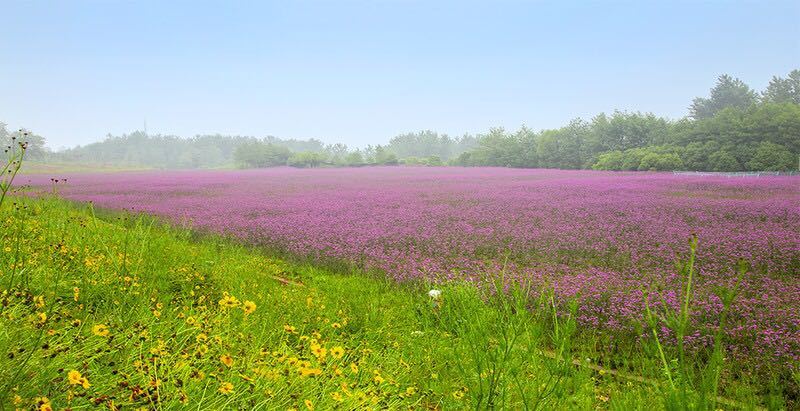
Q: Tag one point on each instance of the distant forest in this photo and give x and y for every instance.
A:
(734, 128)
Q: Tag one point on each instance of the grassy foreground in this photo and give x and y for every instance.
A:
(122, 312)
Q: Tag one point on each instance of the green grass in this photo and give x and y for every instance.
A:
(324, 339)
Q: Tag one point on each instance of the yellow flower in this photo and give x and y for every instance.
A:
(201, 337)
(76, 292)
(157, 313)
(202, 349)
(458, 394)
(336, 326)
(336, 396)
(44, 404)
(310, 372)
(319, 351)
(289, 329)
(249, 307)
(337, 352)
(39, 301)
(228, 301)
(225, 388)
(226, 359)
(42, 318)
(378, 379)
(308, 403)
(75, 378)
(354, 368)
(100, 330)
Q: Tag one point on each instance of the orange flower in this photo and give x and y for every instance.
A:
(226, 359)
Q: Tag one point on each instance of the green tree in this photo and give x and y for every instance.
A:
(661, 162)
(624, 130)
(696, 155)
(609, 161)
(306, 159)
(385, 157)
(723, 161)
(259, 154)
(772, 157)
(784, 90)
(728, 92)
(354, 159)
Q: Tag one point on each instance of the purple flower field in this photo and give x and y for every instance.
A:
(599, 237)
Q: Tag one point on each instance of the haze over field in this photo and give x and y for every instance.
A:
(360, 72)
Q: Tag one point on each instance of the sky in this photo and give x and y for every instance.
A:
(362, 72)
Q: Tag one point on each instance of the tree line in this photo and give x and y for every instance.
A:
(219, 151)
(734, 128)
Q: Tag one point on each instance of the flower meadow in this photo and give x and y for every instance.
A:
(115, 312)
(603, 238)
(457, 287)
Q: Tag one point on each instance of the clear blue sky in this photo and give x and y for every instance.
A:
(361, 72)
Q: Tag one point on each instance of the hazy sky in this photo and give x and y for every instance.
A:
(361, 72)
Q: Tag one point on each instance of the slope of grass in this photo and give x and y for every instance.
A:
(123, 312)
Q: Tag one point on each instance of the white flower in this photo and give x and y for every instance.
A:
(435, 294)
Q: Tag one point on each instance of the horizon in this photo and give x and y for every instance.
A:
(362, 73)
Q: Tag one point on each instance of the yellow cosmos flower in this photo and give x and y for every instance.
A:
(228, 301)
(336, 396)
(76, 293)
(225, 388)
(226, 359)
(249, 307)
(42, 317)
(337, 352)
(75, 378)
(308, 403)
(354, 368)
(310, 372)
(290, 329)
(319, 351)
(100, 330)
(336, 326)
(44, 404)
